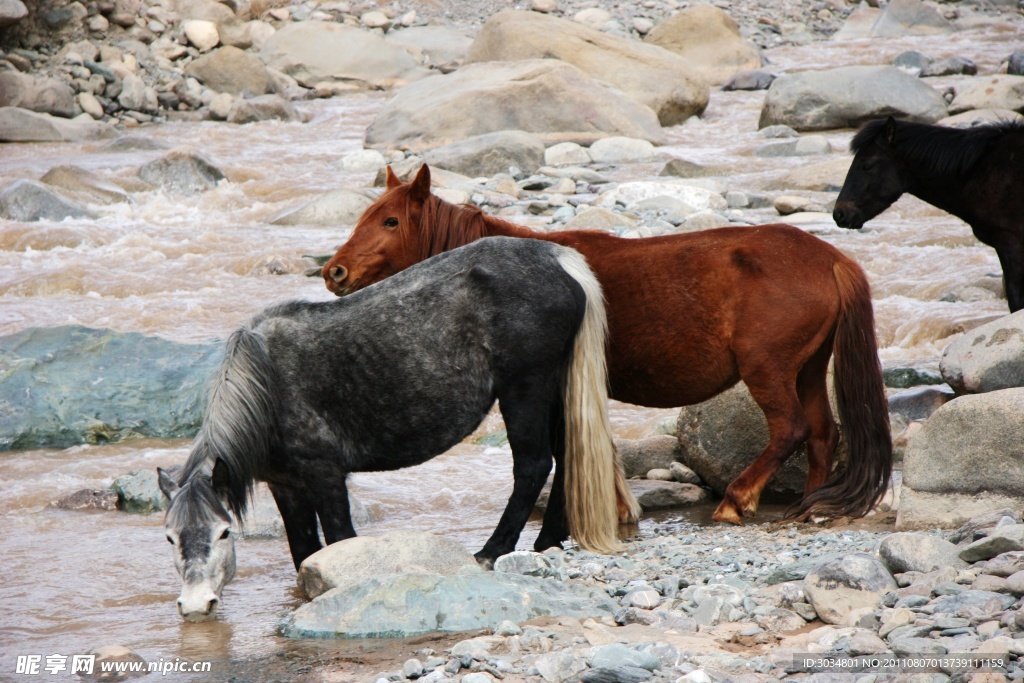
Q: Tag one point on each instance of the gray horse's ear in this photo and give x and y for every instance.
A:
(166, 483)
(392, 179)
(220, 477)
(420, 189)
(890, 130)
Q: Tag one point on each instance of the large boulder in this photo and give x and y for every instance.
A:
(12, 11)
(71, 385)
(489, 154)
(27, 200)
(847, 97)
(40, 94)
(314, 52)
(656, 77)
(910, 18)
(722, 436)
(85, 185)
(546, 97)
(347, 563)
(839, 587)
(182, 172)
(918, 552)
(967, 459)
(990, 92)
(263, 108)
(337, 208)
(232, 71)
(638, 457)
(435, 46)
(825, 176)
(400, 605)
(709, 39)
(987, 358)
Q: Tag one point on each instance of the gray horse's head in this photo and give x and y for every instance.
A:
(200, 530)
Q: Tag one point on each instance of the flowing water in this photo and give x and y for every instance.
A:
(191, 269)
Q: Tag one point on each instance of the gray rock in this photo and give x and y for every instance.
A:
(1006, 539)
(139, 492)
(27, 200)
(1015, 64)
(781, 620)
(262, 108)
(838, 587)
(981, 525)
(12, 11)
(990, 92)
(846, 97)
(642, 455)
(681, 168)
(750, 79)
(712, 611)
(809, 145)
(87, 499)
(919, 403)
(723, 435)
(566, 153)
(778, 131)
(644, 599)
(796, 571)
(21, 125)
(910, 18)
(526, 563)
(984, 602)
(72, 385)
(336, 208)
(413, 668)
(911, 61)
(440, 603)
(917, 646)
(137, 96)
(986, 474)
(1004, 565)
(85, 185)
(551, 99)
(950, 67)
(133, 144)
(987, 358)
(616, 655)
(683, 474)
(906, 552)
(905, 377)
(439, 47)
(314, 52)
(346, 564)
(489, 154)
(230, 70)
(38, 94)
(181, 172)
(657, 78)
(559, 666)
(658, 495)
(619, 674)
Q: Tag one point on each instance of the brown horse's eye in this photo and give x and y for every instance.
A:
(390, 222)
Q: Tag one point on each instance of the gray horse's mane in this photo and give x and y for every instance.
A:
(196, 503)
(940, 148)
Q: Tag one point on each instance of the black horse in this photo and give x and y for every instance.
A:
(392, 376)
(976, 174)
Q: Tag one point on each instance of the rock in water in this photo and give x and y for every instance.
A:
(181, 172)
(350, 562)
(489, 154)
(139, 492)
(87, 499)
(432, 602)
(709, 39)
(338, 207)
(839, 587)
(72, 385)
(27, 200)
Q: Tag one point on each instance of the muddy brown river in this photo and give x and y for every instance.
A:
(192, 269)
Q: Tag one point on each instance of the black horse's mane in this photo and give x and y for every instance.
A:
(946, 150)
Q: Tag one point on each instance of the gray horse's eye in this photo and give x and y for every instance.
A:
(170, 540)
(227, 532)
(391, 222)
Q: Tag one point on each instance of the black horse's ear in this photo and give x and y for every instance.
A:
(220, 478)
(166, 483)
(421, 185)
(890, 130)
(392, 180)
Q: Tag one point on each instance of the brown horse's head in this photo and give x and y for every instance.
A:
(384, 241)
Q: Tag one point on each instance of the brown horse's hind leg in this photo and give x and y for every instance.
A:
(812, 387)
(788, 428)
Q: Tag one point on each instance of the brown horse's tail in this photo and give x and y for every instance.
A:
(863, 409)
(596, 493)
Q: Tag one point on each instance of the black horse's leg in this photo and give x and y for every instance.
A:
(333, 510)
(299, 517)
(525, 408)
(555, 529)
(1011, 258)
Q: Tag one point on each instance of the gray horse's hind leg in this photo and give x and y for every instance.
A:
(333, 509)
(299, 517)
(555, 529)
(525, 409)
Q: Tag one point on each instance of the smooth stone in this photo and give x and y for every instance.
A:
(87, 499)
(363, 161)
(618, 150)
(615, 655)
(902, 552)
(640, 456)
(262, 108)
(337, 208)
(182, 172)
(526, 563)
(657, 495)
(85, 185)
(565, 154)
(28, 200)
(987, 358)
(838, 587)
(489, 154)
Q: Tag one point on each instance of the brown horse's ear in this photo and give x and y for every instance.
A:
(393, 180)
(890, 130)
(421, 185)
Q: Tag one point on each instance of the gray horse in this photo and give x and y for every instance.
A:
(392, 376)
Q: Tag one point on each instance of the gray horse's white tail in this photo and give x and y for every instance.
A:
(597, 496)
(238, 426)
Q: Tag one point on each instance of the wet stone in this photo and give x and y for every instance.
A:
(88, 499)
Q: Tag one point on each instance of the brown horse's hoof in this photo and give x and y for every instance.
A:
(726, 512)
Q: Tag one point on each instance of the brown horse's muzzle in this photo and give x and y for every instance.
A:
(334, 277)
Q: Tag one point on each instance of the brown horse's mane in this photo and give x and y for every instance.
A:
(447, 226)
(945, 150)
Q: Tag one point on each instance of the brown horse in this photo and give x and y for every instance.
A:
(690, 316)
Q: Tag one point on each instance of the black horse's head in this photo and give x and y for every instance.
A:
(875, 179)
